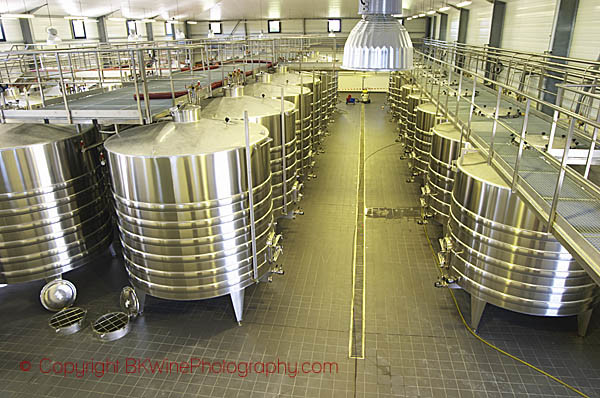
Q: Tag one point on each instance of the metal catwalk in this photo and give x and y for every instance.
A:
(577, 212)
(415, 344)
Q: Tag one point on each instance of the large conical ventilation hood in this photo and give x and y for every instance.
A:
(378, 42)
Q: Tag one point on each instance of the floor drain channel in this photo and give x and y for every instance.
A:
(394, 213)
(357, 326)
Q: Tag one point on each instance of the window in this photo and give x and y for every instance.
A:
(168, 29)
(216, 27)
(78, 28)
(2, 35)
(334, 25)
(274, 26)
(131, 27)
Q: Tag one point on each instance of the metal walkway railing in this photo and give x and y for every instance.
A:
(108, 83)
(544, 151)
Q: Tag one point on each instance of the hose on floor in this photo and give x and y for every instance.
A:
(462, 318)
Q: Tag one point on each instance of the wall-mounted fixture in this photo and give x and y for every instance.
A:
(378, 42)
(17, 16)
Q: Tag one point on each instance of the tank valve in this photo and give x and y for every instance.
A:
(445, 244)
(274, 247)
(447, 282)
(297, 191)
(277, 270)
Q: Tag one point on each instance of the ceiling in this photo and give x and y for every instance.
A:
(210, 9)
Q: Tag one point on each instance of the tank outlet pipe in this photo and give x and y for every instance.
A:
(250, 195)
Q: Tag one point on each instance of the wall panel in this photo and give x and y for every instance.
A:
(586, 36)
(528, 25)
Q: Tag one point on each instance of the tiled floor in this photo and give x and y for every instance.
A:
(416, 345)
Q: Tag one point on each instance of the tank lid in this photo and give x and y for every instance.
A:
(186, 113)
(476, 166)
(294, 78)
(429, 108)
(234, 107)
(267, 90)
(447, 130)
(413, 87)
(233, 91)
(19, 135)
(168, 139)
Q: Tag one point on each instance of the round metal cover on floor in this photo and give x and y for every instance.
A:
(129, 302)
(58, 294)
(68, 321)
(111, 326)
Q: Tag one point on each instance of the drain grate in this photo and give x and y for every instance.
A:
(68, 321)
(394, 213)
(111, 326)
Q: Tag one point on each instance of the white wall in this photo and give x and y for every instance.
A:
(353, 81)
(528, 25)
(452, 27)
(480, 22)
(586, 36)
(416, 28)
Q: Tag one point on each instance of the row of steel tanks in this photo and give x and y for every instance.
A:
(493, 244)
(323, 85)
(216, 234)
(196, 199)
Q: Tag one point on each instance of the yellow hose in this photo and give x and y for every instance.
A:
(462, 318)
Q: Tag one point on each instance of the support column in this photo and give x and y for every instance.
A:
(462, 25)
(187, 30)
(443, 26)
(560, 44)
(149, 31)
(428, 27)
(26, 30)
(102, 36)
(492, 67)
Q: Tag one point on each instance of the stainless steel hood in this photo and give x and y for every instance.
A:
(378, 42)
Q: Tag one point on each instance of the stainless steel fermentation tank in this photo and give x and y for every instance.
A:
(332, 93)
(268, 112)
(301, 97)
(313, 82)
(328, 96)
(54, 201)
(195, 222)
(498, 252)
(405, 91)
(426, 116)
(445, 150)
(410, 112)
(395, 99)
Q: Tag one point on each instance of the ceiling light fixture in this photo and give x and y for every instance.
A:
(147, 20)
(15, 16)
(378, 42)
(444, 8)
(464, 3)
(421, 15)
(117, 19)
(192, 22)
(430, 12)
